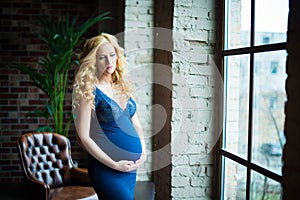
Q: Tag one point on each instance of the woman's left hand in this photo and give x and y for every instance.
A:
(141, 160)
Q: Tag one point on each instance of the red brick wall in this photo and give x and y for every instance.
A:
(19, 42)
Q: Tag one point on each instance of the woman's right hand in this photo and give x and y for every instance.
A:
(125, 166)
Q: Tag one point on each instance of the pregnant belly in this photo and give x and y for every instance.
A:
(120, 141)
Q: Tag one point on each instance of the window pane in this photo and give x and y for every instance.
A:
(237, 26)
(268, 109)
(264, 188)
(234, 180)
(237, 103)
(271, 18)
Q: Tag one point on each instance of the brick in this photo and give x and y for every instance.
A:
(10, 47)
(145, 17)
(203, 4)
(198, 36)
(182, 24)
(184, 3)
(37, 53)
(131, 16)
(182, 11)
(180, 92)
(18, 90)
(9, 121)
(186, 192)
(134, 24)
(193, 104)
(3, 90)
(3, 102)
(203, 159)
(35, 102)
(179, 181)
(9, 108)
(29, 121)
(198, 12)
(19, 53)
(179, 143)
(20, 29)
(201, 92)
(200, 149)
(201, 181)
(14, 127)
(10, 167)
(131, 3)
(179, 160)
(198, 170)
(19, 17)
(181, 171)
(36, 5)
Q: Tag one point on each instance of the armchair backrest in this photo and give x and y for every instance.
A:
(46, 157)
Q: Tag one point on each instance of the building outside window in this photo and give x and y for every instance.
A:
(254, 99)
(266, 40)
(273, 102)
(274, 67)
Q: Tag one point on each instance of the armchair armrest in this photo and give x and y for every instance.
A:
(37, 189)
(80, 176)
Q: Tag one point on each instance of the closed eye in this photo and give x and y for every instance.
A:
(101, 57)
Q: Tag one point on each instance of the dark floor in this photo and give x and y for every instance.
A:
(12, 191)
(16, 191)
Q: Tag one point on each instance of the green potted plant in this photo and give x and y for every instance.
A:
(61, 37)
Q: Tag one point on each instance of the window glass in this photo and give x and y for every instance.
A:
(234, 180)
(238, 22)
(253, 131)
(274, 67)
(270, 21)
(237, 101)
(263, 187)
(268, 112)
(237, 25)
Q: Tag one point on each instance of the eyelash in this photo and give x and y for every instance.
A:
(102, 57)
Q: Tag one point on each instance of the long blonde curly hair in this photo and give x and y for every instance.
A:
(86, 79)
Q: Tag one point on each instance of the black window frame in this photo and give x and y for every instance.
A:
(251, 50)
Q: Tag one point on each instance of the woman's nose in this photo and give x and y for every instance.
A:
(109, 60)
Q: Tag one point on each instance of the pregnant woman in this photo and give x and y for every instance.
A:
(105, 119)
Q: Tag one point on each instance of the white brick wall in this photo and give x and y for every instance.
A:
(193, 85)
(138, 42)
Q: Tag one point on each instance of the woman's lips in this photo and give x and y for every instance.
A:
(109, 67)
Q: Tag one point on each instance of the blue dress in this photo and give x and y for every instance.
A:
(113, 131)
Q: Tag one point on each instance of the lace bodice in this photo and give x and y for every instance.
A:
(108, 110)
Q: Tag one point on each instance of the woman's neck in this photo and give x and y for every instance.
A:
(106, 80)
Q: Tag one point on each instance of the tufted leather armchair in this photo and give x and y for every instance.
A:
(48, 169)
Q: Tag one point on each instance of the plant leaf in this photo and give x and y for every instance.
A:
(44, 129)
(61, 38)
(38, 78)
(39, 113)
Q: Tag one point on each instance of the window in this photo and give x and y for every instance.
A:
(266, 40)
(252, 138)
(273, 102)
(274, 67)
